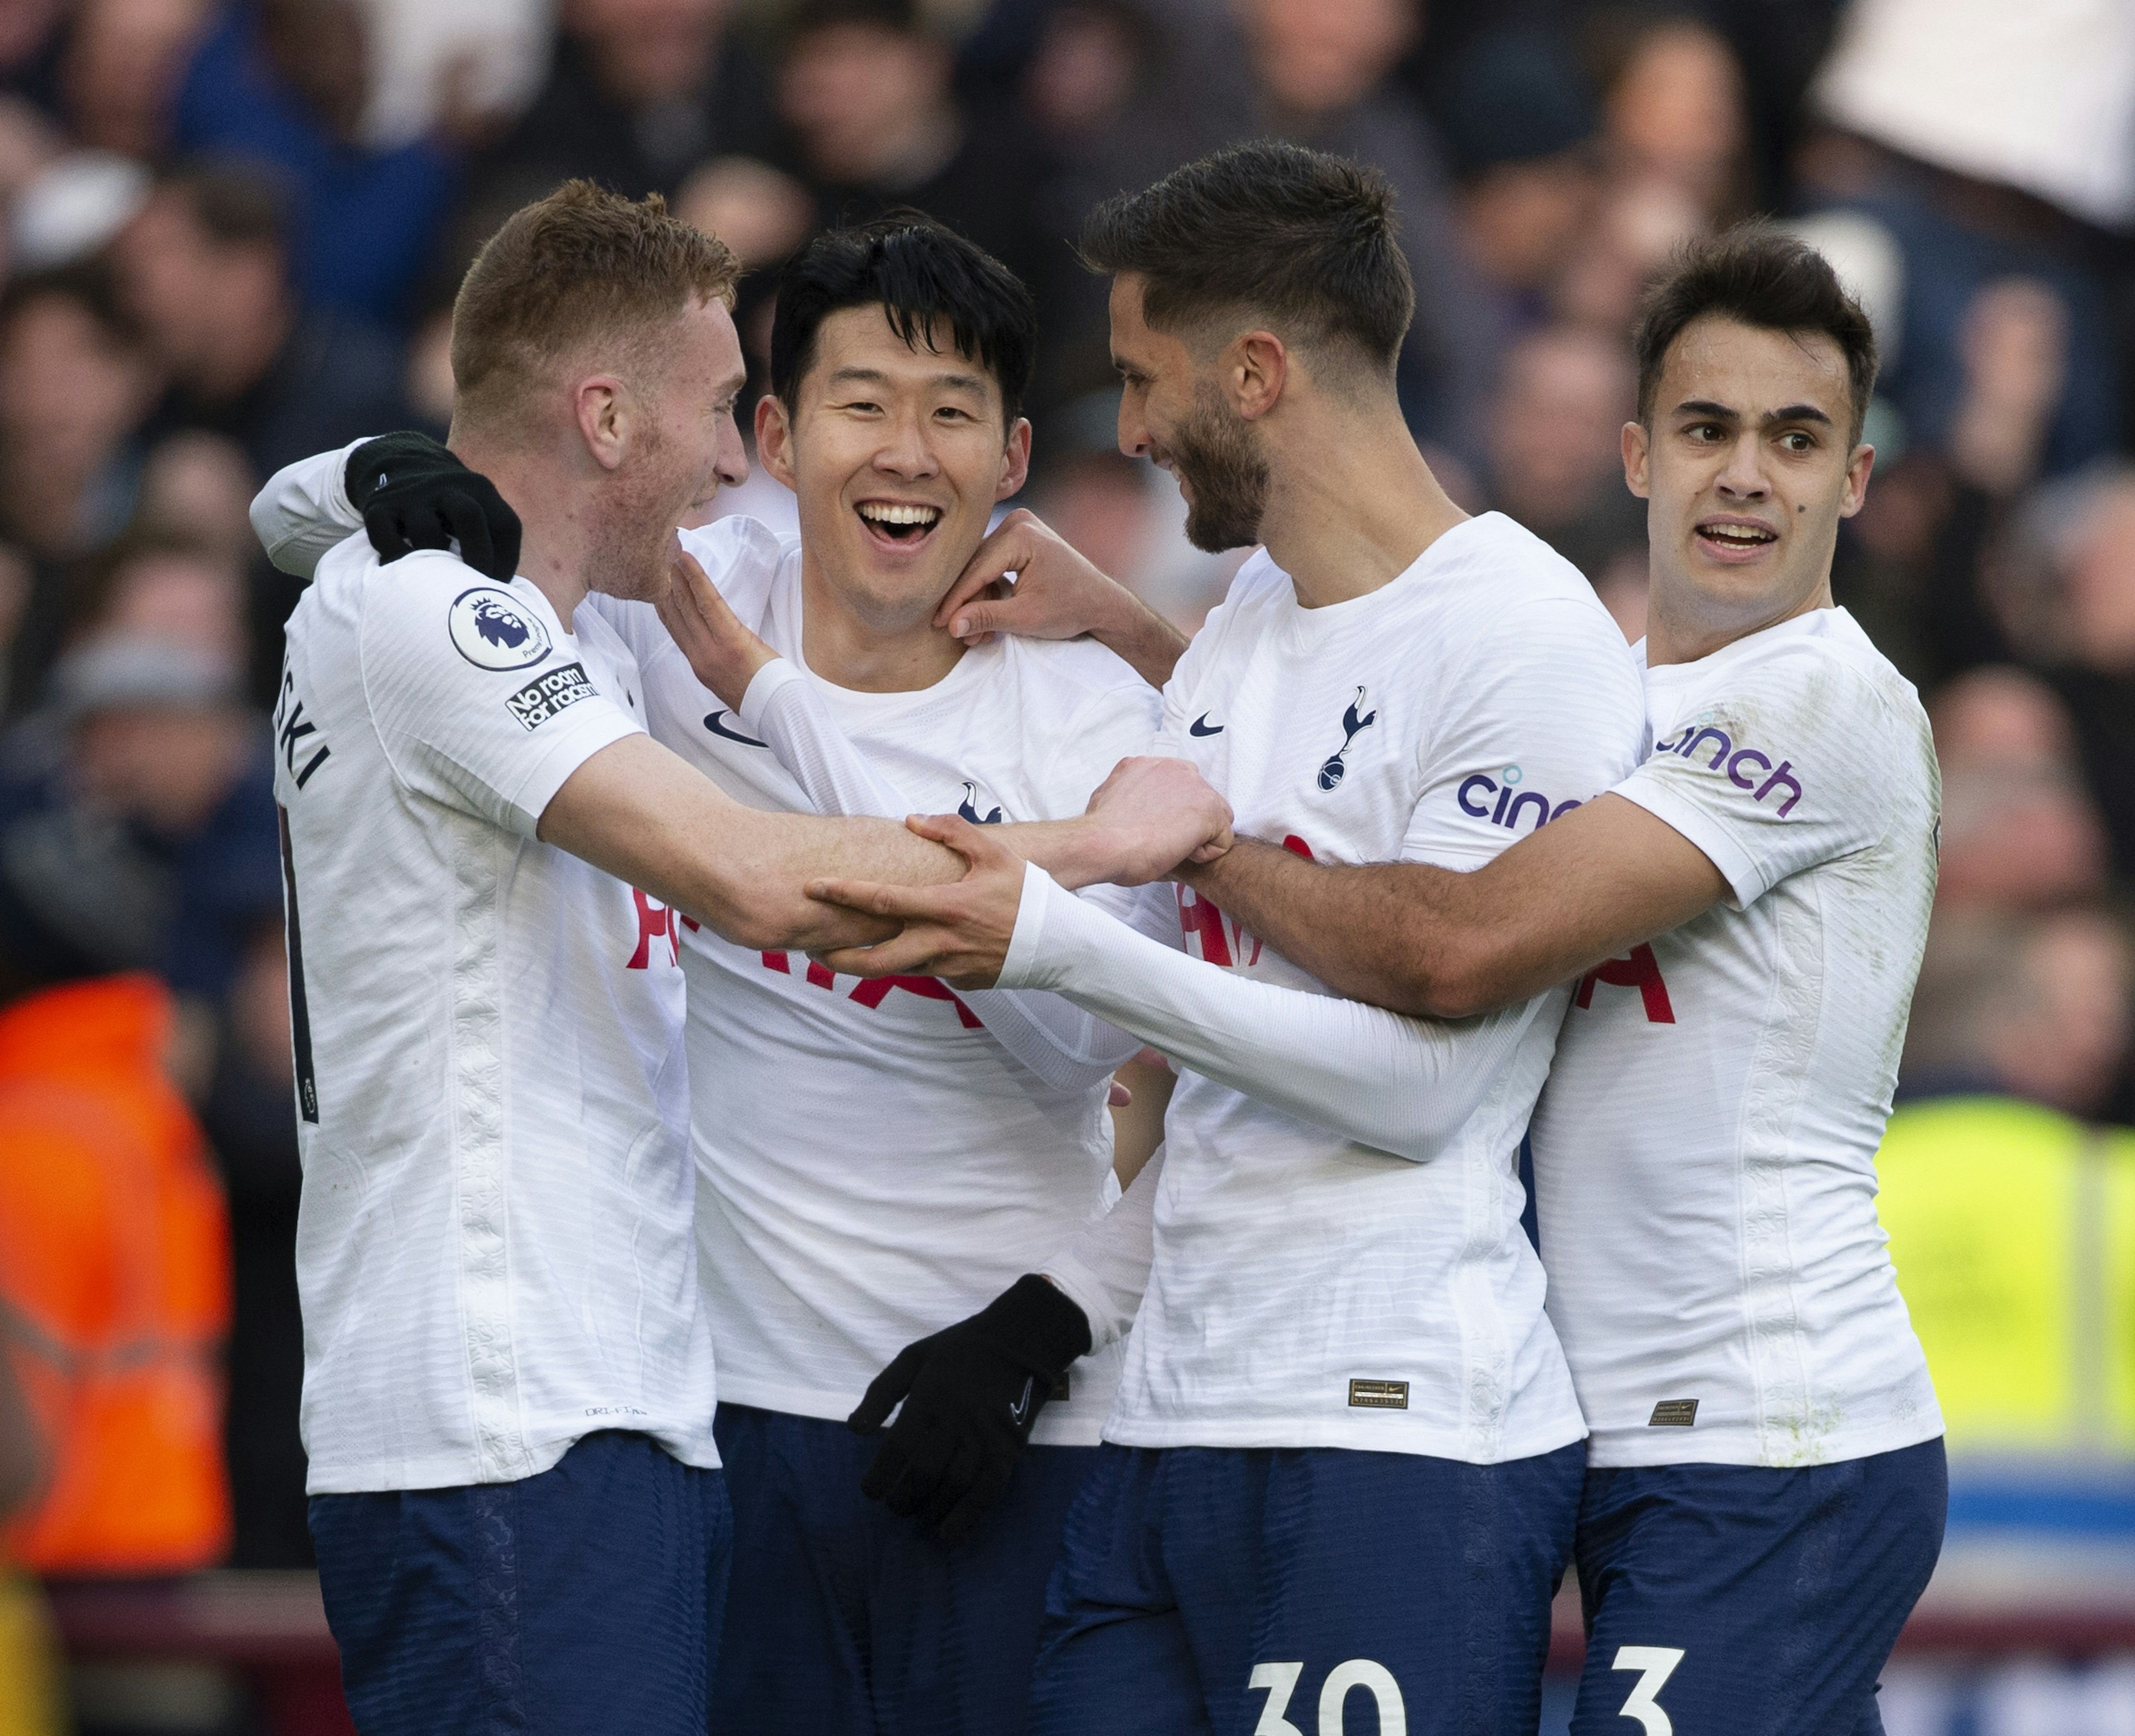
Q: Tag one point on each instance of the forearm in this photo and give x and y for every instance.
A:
(1378, 934)
(1398, 1084)
(637, 811)
(1131, 630)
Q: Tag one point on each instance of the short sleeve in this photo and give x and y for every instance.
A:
(479, 698)
(1114, 724)
(1775, 771)
(1548, 715)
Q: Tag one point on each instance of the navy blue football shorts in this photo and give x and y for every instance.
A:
(1208, 1591)
(587, 1599)
(1758, 1603)
(849, 1621)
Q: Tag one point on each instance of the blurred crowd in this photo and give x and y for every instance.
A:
(232, 233)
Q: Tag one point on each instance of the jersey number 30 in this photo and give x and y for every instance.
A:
(1280, 1681)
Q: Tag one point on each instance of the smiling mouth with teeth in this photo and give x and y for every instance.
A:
(898, 521)
(1737, 536)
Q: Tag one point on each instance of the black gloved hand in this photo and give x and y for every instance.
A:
(971, 1393)
(415, 494)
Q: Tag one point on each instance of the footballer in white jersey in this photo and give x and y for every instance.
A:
(1346, 1457)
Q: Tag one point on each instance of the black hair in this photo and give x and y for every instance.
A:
(1765, 278)
(1303, 238)
(920, 274)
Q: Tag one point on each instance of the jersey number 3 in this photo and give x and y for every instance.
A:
(1655, 1664)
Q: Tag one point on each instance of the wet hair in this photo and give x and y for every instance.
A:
(1305, 241)
(581, 269)
(923, 276)
(1765, 278)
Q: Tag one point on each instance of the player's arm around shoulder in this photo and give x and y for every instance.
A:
(1511, 872)
(1784, 763)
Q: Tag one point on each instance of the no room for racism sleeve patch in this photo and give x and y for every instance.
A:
(546, 695)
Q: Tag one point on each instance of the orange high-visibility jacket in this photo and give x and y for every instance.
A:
(114, 1285)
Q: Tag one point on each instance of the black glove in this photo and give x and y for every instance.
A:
(415, 494)
(971, 1393)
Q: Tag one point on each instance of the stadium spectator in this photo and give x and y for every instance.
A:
(78, 378)
(1553, 440)
(205, 270)
(638, 94)
(119, 70)
(283, 87)
(1973, 132)
(1519, 126)
(2009, 1209)
(866, 87)
(114, 1267)
(1322, 72)
(2019, 830)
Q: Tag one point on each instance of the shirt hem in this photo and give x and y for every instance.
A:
(1629, 1449)
(1387, 1435)
(463, 1471)
(1052, 1428)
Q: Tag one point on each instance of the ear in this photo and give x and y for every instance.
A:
(774, 439)
(1856, 481)
(1637, 450)
(1256, 368)
(599, 404)
(1015, 460)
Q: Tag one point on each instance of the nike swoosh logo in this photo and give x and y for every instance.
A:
(1202, 726)
(1021, 1407)
(712, 723)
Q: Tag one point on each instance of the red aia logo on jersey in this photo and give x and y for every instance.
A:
(1216, 937)
(872, 992)
(657, 921)
(1642, 972)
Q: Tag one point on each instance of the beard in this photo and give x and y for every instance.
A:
(1217, 452)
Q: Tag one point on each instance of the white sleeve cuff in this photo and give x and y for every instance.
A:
(762, 687)
(1021, 967)
(1746, 882)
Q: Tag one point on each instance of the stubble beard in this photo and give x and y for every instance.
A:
(1215, 450)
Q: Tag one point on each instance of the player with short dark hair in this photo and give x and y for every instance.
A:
(1744, 915)
(1344, 1465)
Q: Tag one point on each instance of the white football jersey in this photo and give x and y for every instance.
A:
(1705, 1151)
(873, 1164)
(1308, 1290)
(495, 1246)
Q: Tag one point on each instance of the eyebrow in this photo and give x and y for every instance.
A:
(972, 383)
(1706, 408)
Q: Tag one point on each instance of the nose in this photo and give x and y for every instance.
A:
(1134, 427)
(1742, 476)
(906, 451)
(730, 457)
